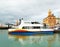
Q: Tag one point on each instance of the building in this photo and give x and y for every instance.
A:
(50, 20)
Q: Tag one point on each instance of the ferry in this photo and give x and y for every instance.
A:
(32, 28)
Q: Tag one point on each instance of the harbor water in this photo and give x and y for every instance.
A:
(7, 40)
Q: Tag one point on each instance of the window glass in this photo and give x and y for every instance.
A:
(29, 27)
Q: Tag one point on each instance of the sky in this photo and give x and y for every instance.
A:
(29, 10)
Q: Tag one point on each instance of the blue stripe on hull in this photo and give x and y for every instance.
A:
(31, 33)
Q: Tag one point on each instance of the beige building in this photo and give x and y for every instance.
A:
(50, 20)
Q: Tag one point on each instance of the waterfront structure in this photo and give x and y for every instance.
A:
(50, 20)
(3, 26)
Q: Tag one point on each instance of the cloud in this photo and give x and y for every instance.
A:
(28, 9)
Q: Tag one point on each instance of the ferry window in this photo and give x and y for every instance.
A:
(26, 27)
(31, 27)
(35, 22)
(36, 27)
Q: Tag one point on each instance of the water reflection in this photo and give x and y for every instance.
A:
(58, 36)
(51, 40)
(17, 38)
(46, 40)
(37, 39)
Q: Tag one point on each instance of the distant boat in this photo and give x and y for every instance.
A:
(57, 30)
(30, 29)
